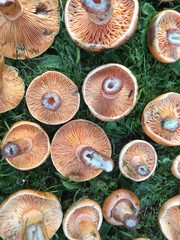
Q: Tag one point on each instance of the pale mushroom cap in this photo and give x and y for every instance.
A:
(83, 206)
(169, 218)
(110, 109)
(175, 167)
(166, 105)
(16, 205)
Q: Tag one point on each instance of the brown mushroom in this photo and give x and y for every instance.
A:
(27, 28)
(175, 167)
(25, 146)
(11, 87)
(52, 98)
(82, 220)
(137, 160)
(96, 25)
(30, 214)
(110, 91)
(169, 218)
(80, 150)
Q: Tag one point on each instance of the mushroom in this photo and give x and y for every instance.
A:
(81, 150)
(142, 239)
(11, 87)
(164, 36)
(121, 208)
(101, 24)
(175, 167)
(25, 146)
(82, 220)
(30, 214)
(137, 160)
(110, 91)
(52, 98)
(161, 119)
(169, 218)
(27, 28)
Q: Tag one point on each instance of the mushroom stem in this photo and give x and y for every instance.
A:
(94, 159)
(99, 11)
(170, 124)
(51, 100)
(140, 166)
(1, 69)
(173, 36)
(111, 86)
(12, 9)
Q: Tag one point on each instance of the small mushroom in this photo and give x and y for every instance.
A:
(82, 220)
(169, 218)
(110, 91)
(161, 119)
(96, 25)
(121, 208)
(28, 28)
(25, 146)
(164, 36)
(52, 98)
(30, 214)
(137, 160)
(11, 87)
(175, 167)
(81, 150)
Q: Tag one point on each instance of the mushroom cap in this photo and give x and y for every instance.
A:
(16, 205)
(165, 105)
(68, 139)
(160, 26)
(93, 37)
(113, 199)
(110, 109)
(40, 145)
(169, 218)
(175, 167)
(137, 148)
(38, 23)
(69, 97)
(83, 206)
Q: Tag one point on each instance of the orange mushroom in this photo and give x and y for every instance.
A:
(110, 91)
(121, 208)
(30, 214)
(164, 36)
(27, 28)
(25, 146)
(101, 24)
(52, 98)
(11, 87)
(82, 220)
(175, 167)
(169, 218)
(161, 119)
(81, 150)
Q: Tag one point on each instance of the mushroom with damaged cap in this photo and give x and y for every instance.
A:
(175, 167)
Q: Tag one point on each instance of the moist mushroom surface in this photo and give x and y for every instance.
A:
(175, 167)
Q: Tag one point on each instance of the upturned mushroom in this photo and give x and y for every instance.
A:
(81, 150)
(110, 91)
(137, 160)
(82, 220)
(52, 98)
(121, 208)
(30, 214)
(96, 25)
(175, 167)
(28, 28)
(25, 146)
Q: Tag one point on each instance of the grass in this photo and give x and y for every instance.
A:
(154, 78)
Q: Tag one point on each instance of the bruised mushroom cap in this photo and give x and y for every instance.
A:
(38, 25)
(163, 107)
(175, 167)
(164, 36)
(94, 37)
(83, 206)
(137, 149)
(21, 203)
(169, 218)
(52, 98)
(40, 145)
(110, 108)
(68, 139)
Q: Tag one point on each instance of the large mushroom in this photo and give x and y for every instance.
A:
(30, 214)
(175, 167)
(101, 24)
(27, 28)
(81, 150)
(110, 91)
